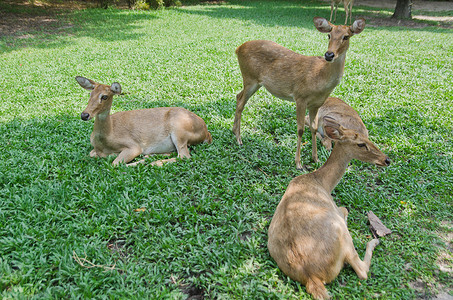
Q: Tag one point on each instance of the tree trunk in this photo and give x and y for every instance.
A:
(403, 9)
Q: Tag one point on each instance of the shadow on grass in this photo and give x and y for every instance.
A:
(265, 13)
(117, 25)
(39, 28)
(301, 13)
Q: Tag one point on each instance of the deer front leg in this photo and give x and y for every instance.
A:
(313, 112)
(300, 117)
(127, 155)
(241, 99)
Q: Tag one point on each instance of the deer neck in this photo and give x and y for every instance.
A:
(337, 66)
(333, 170)
(103, 123)
(333, 72)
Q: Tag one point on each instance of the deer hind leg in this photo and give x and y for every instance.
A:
(142, 161)
(314, 129)
(158, 163)
(316, 288)
(350, 11)
(362, 267)
(241, 99)
(161, 162)
(346, 11)
(335, 18)
(331, 11)
(180, 139)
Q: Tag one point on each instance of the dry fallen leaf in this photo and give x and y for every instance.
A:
(376, 225)
(140, 209)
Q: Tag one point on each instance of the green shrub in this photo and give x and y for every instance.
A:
(141, 5)
(155, 4)
(104, 3)
(172, 3)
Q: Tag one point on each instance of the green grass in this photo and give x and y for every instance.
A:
(203, 229)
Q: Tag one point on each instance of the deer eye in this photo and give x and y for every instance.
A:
(346, 37)
(104, 97)
(328, 36)
(361, 145)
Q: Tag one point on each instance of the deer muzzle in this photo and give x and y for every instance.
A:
(384, 163)
(85, 116)
(329, 56)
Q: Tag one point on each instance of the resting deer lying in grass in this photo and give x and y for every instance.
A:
(308, 235)
(337, 109)
(347, 9)
(135, 132)
(307, 80)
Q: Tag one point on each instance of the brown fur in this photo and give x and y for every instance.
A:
(308, 235)
(347, 9)
(339, 110)
(144, 131)
(307, 80)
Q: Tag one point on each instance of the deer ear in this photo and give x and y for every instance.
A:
(116, 88)
(332, 132)
(332, 129)
(358, 26)
(86, 83)
(322, 25)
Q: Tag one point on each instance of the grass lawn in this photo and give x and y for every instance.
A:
(198, 227)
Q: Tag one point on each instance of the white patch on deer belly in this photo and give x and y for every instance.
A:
(278, 94)
(163, 146)
(280, 91)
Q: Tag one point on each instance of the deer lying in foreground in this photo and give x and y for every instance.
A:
(307, 80)
(308, 236)
(135, 132)
(347, 9)
(338, 109)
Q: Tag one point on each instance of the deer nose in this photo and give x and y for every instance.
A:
(387, 161)
(85, 116)
(329, 56)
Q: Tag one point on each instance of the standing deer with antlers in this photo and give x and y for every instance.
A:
(347, 9)
(306, 80)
